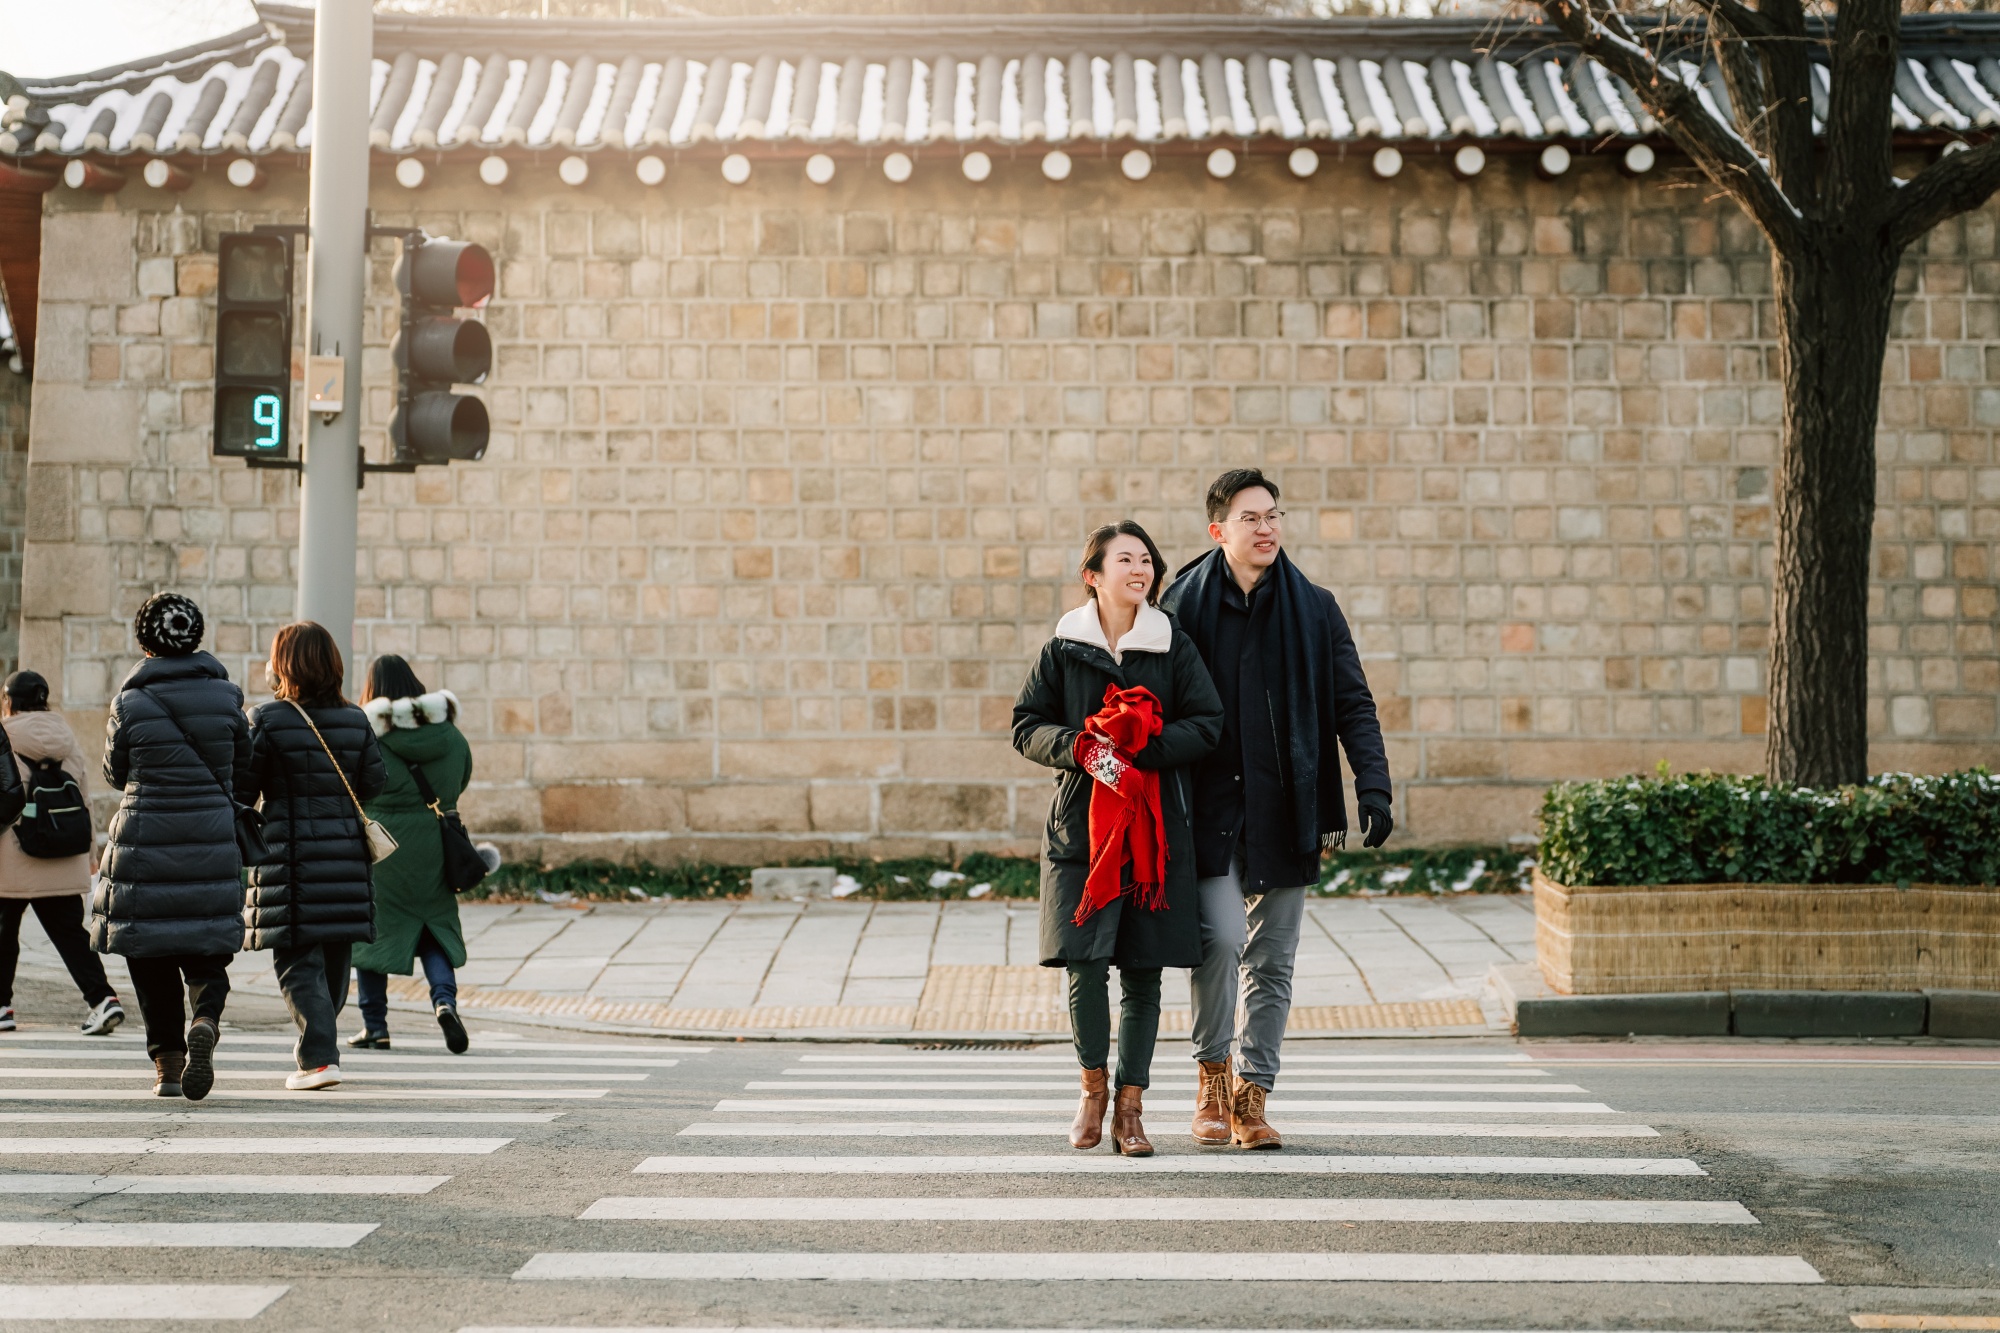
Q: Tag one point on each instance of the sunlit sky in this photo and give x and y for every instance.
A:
(41, 39)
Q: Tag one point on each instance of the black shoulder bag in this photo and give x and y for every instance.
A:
(249, 822)
(464, 867)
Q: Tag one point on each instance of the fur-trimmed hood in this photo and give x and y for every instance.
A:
(409, 714)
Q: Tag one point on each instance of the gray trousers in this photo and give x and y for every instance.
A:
(1247, 949)
(314, 982)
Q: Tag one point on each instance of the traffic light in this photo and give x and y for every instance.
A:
(435, 350)
(253, 347)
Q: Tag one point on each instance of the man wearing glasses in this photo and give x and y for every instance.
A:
(1268, 801)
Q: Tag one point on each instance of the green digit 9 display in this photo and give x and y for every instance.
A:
(250, 423)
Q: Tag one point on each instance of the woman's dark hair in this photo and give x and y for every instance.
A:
(390, 677)
(1097, 542)
(306, 664)
(27, 692)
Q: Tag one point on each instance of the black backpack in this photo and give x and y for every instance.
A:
(55, 822)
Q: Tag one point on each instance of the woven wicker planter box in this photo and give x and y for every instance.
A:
(1648, 938)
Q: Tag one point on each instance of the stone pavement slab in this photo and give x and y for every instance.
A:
(953, 969)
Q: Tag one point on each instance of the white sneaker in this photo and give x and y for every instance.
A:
(6, 1018)
(104, 1019)
(312, 1080)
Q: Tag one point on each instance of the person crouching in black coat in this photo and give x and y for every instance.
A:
(1119, 705)
(313, 762)
(170, 894)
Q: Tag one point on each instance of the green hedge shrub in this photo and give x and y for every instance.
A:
(1710, 828)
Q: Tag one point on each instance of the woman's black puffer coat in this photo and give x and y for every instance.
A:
(171, 874)
(315, 887)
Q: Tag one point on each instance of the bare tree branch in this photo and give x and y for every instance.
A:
(1746, 21)
(1788, 78)
(1954, 184)
(1720, 152)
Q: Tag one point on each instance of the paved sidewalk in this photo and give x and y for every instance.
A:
(953, 970)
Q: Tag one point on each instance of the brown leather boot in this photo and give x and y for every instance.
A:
(167, 1070)
(1211, 1103)
(1247, 1126)
(1087, 1130)
(1128, 1136)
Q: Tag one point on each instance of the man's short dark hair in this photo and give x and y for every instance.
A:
(1222, 492)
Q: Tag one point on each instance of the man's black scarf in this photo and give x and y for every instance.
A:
(1303, 622)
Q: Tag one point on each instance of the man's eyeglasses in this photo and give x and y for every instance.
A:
(1256, 522)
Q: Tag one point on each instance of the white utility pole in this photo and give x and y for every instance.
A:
(329, 500)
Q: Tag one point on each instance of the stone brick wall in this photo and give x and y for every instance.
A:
(14, 397)
(787, 482)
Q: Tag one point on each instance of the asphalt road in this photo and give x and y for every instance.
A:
(1439, 1185)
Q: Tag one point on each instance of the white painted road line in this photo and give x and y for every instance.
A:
(482, 1043)
(1069, 1061)
(1281, 1106)
(1165, 1209)
(197, 1303)
(344, 1093)
(919, 1129)
(287, 1117)
(24, 1183)
(995, 1085)
(360, 1060)
(245, 1145)
(1200, 1165)
(1099, 1266)
(202, 1235)
(1163, 1076)
(370, 1075)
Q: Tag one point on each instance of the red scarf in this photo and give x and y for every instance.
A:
(1126, 825)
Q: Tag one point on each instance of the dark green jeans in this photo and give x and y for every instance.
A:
(1138, 1019)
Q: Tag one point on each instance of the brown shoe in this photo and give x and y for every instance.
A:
(1128, 1136)
(1211, 1103)
(1087, 1130)
(1247, 1126)
(167, 1070)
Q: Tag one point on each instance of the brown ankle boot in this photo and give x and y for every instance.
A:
(1128, 1136)
(1247, 1126)
(167, 1070)
(1211, 1103)
(1087, 1131)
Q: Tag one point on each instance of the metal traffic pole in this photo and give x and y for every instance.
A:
(337, 212)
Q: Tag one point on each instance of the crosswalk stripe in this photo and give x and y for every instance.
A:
(1174, 1267)
(1168, 1209)
(345, 1093)
(365, 1060)
(484, 1042)
(246, 1145)
(982, 1085)
(136, 1300)
(1091, 1164)
(204, 1235)
(1161, 1075)
(32, 1183)
(378, 1075)
(825, 1328)
(981, 1057)
(289, 1117)
(916, 1129)
(1280, 1105)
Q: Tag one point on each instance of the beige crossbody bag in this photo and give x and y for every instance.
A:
(381, 842)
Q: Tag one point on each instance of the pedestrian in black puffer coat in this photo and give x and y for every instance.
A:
(170, 892)
(313, 760)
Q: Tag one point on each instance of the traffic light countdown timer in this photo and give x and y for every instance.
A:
(253, 347)
(434, 349)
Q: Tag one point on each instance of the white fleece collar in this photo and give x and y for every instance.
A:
(1152, 632)
(409, 714)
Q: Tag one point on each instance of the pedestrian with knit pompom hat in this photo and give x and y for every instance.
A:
(170, 891)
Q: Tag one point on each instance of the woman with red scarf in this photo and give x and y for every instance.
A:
(1120, 705)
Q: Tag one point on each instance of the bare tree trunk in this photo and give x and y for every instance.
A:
(1833, 305)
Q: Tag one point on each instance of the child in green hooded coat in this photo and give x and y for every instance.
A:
(416, 913)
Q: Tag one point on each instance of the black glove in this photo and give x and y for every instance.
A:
(1376, 823)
